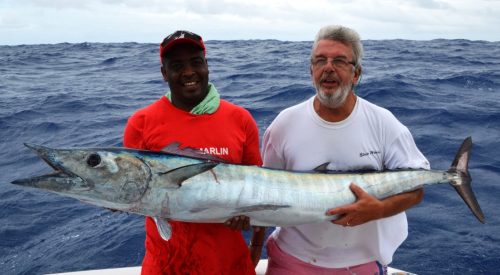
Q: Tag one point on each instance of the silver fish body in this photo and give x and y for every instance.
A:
(197, 188)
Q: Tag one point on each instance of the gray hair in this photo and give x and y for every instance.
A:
(343, 35)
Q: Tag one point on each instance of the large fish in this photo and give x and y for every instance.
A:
(188, 186)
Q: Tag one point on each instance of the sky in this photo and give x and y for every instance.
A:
(148, 21)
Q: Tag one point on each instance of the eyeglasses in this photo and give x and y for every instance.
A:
(181, 34)
(338, 63)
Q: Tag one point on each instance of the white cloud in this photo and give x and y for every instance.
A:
(53, 21)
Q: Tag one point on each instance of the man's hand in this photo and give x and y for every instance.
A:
(365, 209)
(238, 223)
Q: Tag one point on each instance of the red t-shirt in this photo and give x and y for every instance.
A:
(230, 134)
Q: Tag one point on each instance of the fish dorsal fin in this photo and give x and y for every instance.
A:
(163, 228)
(323, 168)
(178, 175)
(175, 149)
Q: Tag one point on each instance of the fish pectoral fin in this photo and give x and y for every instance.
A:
(180, 174)
(258, 207)
(163, 228)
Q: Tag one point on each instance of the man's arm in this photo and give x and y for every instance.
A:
(257, 239)
(402, 153)
(368, 208)
(256, 243)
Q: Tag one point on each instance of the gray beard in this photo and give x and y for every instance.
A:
(336, 99)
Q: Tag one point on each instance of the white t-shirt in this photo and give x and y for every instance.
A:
(371, 138)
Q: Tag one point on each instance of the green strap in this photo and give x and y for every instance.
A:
(208, 105)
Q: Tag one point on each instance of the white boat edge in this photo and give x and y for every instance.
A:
(136, 270)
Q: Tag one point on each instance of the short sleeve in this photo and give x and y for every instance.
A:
(132, 136)
(403, 153)
(271, 157)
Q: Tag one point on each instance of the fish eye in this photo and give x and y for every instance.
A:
(93, 160)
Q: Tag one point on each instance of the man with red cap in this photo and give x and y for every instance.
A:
(193, 114)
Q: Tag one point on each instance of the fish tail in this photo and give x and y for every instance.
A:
(462, 183)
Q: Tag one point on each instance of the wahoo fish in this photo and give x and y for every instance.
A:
(187, 185)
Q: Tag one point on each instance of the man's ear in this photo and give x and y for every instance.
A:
(357, 74)
(164, 73)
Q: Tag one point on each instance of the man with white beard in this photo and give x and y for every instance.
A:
(338, 128)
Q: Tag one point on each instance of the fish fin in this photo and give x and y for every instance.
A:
(163, 228)
(175, 149)
(180, 174)
(323, 168)
(258, 207)
(463, 184)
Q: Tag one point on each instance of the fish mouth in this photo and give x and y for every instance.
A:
(60, 179)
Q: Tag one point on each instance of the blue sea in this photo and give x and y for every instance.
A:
(65, 95)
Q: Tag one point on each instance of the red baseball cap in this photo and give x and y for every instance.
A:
(180, 37)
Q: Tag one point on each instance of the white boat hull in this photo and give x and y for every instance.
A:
(136, 270)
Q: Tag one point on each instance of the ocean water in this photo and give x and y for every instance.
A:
(67, 95)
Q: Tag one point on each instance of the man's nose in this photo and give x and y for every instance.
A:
(188, 70)
(329, 67)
